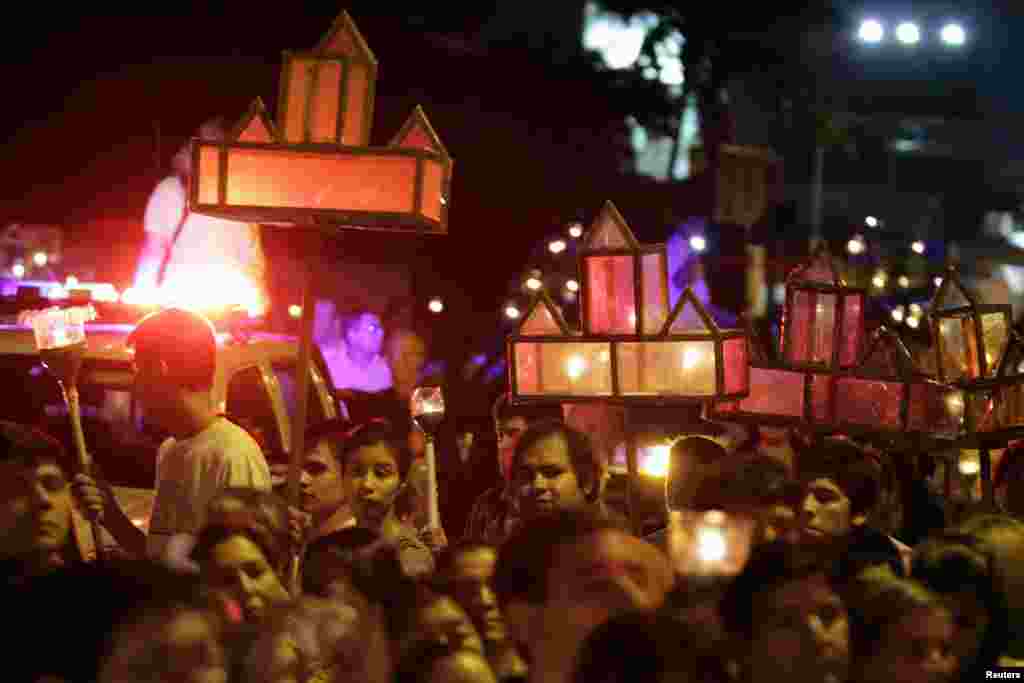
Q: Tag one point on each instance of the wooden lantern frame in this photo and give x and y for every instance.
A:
(976, 312)
(837, 288)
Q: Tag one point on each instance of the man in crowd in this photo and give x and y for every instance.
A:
(357, 361)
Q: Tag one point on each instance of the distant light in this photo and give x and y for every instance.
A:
(903, 281)
(969, 462)
(556, 246)
(295, 311)
(711, 545)
(71, 282)
(937, 281)
(871, 31)
(953, 34)
(856, 245)
(698, 243)
(572, 285)
(897, 314)
(917, 247)
(879, 280)
(534, 283)
(913, 322)
(512, 312)
(40, 258)
(436, 305)
(656, 460)
(575, 231)
(871, 222)
(916, 310)
(908, 33)
(18, 270)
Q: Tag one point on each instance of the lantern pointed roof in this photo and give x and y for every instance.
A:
(821, 269)
(689, 315)
(254, 126)
(417, 133)
(344, 39)
(610, 231)
(543, 319)
(886, 353)
(952, 294)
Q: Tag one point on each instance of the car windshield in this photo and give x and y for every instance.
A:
(120, 440)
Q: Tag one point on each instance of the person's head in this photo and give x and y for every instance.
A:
(899, 630)
(554, 468)
(465, 571)
(511, 421)
(422, 616)
(243, 551)
(407, 354)
(1008, 482)
(791, 619)
(841, 485)
(175, 355)
(353, 559)
(375, 459)
(213, 130)
(430, 662)
(689, 458)
(178, 644)
(638, 647)
(363, 332)
(323, 493)
(954, 567)
(35, 520)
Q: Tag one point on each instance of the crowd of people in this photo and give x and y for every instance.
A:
(834, 561)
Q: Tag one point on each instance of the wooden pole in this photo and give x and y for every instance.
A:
(631, 467)
(302, 381)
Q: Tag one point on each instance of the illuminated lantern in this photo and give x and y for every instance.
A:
(970, 337)
(823, 321)
(547, 361)
(997, 412)
(315, 166)
(624, 284)
(886, 392)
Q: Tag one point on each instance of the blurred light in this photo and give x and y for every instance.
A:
(71, 282)
(711, 546)
(575, 367)
(698, 243)
(436, 305)
(879, 280)
(40, 259)
(871, 31)
(903, 281)
(556, 246)
(655, 460)
(871, 222)
(534, 284)
(897, 314)
(953, 34)
(970, 462)
(938, 281)
(915, 309)
(908, 33)
(295, 311)
(572, 285)
(917, 247)
(913, 322)
(512, 312)
(576, 231)
(18, 270)
(856, 245)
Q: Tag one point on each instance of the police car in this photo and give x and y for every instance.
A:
(255, 386)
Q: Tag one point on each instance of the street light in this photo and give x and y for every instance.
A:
(871, 222)
(556, 246)
(436, 305)
(908, 33)
(953, 35)
(871, 31)
(698, 243)
(512, 312)
(575, 231)
(856, 245)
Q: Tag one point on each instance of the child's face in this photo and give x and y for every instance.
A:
(372, 481)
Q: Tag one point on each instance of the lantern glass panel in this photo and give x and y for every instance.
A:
(607, 233)
(295, 179)
(869, 402)
(824, 329)
(773, 392)
(209, 174)
(798, 325)
(935, 408)
(959, 348)
(610, 294)
(540, 322)
(655, 292)
(1008, 409)
(298, 93)
(668, 368)
(852, 339)
(953, 297)
(433, 191)
(357, 85)
(325, 102)
(564, 369)
(995, 335)
(737, 366)
(821, 398)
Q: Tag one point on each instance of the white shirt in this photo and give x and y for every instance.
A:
(349, 375)
(191, 471)
(205, 243)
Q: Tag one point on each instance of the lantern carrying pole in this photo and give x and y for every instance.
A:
(632, 509)
(302, 381)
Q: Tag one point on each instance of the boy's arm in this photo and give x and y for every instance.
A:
(98, 499)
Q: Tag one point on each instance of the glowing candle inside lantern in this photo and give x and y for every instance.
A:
(711, 544)
(694, 357)
(575, 367)
(656, 459)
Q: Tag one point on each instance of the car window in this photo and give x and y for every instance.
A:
(249, 405)
(119, 438)
(285, 373)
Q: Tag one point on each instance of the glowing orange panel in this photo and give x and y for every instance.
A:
(737, 367)
(663, 368)
(527, 377)
(354, 130)
(655, 291)
(325, 103)
(872, 403)
(774, 392)
(433, 190)
(611, 307)
(209, 174)
(293, 128)
(301, 180)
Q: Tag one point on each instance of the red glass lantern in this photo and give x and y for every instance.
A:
(624, 284)
(823, 321)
